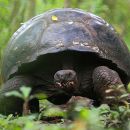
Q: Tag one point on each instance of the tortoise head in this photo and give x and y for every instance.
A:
(66, 80)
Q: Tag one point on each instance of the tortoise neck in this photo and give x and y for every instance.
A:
(67, 63)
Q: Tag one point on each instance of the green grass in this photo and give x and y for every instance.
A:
(77, 114)
(78, 117)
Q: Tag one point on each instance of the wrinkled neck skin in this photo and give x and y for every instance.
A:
(67, 63)
(83, 73)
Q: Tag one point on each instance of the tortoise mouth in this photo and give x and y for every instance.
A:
(68, 86)
(68, 83)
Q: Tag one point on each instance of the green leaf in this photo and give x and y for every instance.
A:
(40, 96)
(14, 93)
(9, 117)
(52, 112)
(25, 91)
(128, 87)
(124, 95)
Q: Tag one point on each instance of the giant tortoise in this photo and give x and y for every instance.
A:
(64, 53)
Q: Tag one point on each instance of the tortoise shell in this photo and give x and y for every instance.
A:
(64, 30)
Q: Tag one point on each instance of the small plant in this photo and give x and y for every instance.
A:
(25, 94)
(117, 119)
(77, 114)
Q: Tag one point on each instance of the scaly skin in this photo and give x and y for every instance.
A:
(103, 79)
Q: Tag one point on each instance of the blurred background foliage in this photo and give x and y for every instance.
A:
(13, 13)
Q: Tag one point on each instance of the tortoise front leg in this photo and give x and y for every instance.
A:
(104, 79)
(14, 105)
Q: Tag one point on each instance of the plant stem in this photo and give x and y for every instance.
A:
(26, 109)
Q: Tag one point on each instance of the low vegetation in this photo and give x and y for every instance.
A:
(77, 114)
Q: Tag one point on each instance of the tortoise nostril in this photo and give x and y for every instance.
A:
(62, 76)
(69, 74)
(59, 76)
